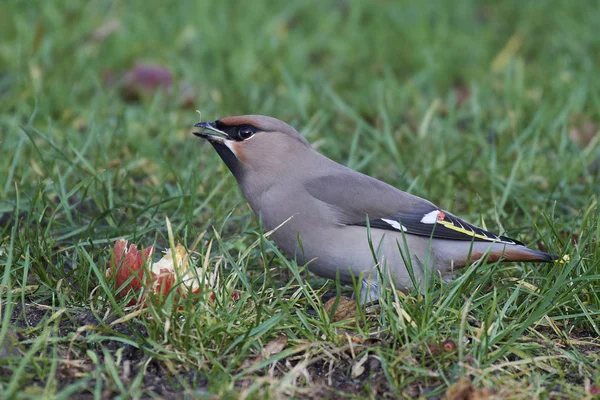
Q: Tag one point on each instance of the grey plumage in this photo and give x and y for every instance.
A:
(328, 207)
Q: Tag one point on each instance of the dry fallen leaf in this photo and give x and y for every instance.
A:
(464, 390)
(482, 394)
(145, 79)
(459, 390)
(434, 349)
(346, 308)
(73, 369)
(274, 346)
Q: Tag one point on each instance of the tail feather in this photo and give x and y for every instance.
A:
(461, 253)
(522, 253)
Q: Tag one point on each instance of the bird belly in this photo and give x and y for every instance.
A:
(346, 251)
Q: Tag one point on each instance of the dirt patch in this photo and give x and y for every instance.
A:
(338, 379)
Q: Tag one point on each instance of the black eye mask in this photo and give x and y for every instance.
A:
(238, 133)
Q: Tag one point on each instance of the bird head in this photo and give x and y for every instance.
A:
(254, 143)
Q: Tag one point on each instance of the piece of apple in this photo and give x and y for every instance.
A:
(129, 262)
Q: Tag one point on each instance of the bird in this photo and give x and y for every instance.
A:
(344, 224)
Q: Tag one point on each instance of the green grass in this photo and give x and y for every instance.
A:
(481, 107)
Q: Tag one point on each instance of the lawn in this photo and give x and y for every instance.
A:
(489, 109)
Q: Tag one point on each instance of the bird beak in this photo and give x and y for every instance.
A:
(219, 136)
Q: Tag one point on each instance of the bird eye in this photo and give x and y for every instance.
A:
(245, 133)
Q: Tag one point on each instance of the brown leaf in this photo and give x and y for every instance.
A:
(346, 308)
(459, 390)
(464, 390)
(145, 79)
(274, 346)
(482, 394)
(74, 368)
(434, 349)
(348, 336)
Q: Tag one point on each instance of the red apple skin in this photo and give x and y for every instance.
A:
(128, 262)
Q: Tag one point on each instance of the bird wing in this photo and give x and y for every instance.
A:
(355, 198)
(438, 224)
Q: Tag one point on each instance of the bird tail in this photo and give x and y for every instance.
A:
(522, 253)
(461, 252)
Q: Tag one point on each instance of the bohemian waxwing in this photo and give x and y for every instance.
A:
(322, 209)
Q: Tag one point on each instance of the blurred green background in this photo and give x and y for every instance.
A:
(439, 98)
(322, 66)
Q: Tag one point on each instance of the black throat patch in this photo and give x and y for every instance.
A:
(228, 157)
